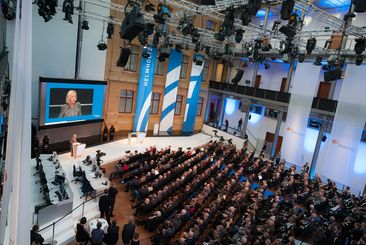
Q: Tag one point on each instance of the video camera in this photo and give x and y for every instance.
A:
(100, 154)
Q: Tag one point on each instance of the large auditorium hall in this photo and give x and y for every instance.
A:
(182, 122)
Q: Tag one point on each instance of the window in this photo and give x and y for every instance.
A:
(210, 25)
(126, 101)
(178, 105)
(205, 70)
(199, 106)
(132, 60)
(183, 71)
(155, 98)
(159, 68)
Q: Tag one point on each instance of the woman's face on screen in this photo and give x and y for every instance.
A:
(72, 99)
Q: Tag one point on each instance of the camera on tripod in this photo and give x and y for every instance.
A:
(100, 153)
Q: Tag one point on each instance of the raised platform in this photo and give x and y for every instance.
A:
(64, 230)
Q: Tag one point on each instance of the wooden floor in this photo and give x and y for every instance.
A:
(123, 210)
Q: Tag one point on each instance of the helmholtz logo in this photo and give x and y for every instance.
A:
(147, 68)
(291, 130)
(336, 142)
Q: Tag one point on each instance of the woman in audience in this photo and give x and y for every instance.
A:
(82, 235)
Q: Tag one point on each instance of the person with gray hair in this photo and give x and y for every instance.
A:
(72, 107)
(128, 231)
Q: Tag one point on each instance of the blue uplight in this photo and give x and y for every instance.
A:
(230, 106)
(254, 118)
(360, 166)
(333, 3)
(262, 13)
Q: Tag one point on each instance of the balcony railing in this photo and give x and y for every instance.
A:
(271, 95)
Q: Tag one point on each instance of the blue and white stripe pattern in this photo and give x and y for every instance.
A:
(170, 92)
(143, 99)
(192, 98)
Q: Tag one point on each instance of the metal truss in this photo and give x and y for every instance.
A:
(328, 19)
(253, 31)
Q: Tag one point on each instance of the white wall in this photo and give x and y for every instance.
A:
(54, 49)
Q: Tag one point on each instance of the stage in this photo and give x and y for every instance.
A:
(64, 230)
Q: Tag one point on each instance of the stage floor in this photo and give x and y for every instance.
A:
(64, 231)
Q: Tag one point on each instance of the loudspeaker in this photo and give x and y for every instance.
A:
(133, 24)
(238, 76)
(123, 57)
(324, 138)
(360, 6)
(333, 75)
(286, 9)
(207, 2)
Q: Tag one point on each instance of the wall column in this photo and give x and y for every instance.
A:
(222, 111)
(289, 76)
(317, 148)
(277, 132)
(246, 119)
(255, 72)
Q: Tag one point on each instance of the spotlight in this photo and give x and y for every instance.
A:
(149, 29)
(267, 65)
(178, 47)
(143, 38)
(110, 30)
(207, 50)
(163, 14)
(68, 9)
(197, 47)
(239, 35)
(245, 17)
(185, 25)
(145, 53)
(198, 59)
(359, 59)
(123, 57)
(318, 60)
(46, 9)
(227, 48)
(102, 45)
(149, 7)
(301, 57)
(360, 45)
(8, 7)
(195, 35)
(310, 45)
(275, 25)
(85, 24)
(164, 53)
(287, 8)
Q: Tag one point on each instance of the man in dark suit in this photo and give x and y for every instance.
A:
(111, 238)
(128, 231)
(35, 236)
(112, 193)
(105, 203)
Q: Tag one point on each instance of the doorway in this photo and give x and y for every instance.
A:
(270, 138)
(257, 81)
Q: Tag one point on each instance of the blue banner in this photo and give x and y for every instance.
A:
(144, 90)
(192, 97)
(170, 92)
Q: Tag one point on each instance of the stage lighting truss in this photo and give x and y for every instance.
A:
(207, 36)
